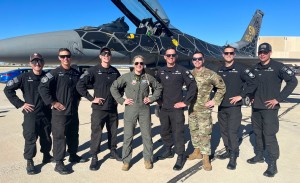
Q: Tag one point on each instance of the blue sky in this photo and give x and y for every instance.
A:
(216, 22)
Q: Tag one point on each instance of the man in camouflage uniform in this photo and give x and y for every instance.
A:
(200, 120)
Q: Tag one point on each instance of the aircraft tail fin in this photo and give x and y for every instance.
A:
(248, 43)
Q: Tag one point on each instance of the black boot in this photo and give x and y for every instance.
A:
(30, 167)
(179, 163)
(225, 155)
(61, 168)
(272, 169)
(232, 161)
(47, 158)
(74, 158)
(166, 154)
(94, 163)
(114, 155)
(258, 158)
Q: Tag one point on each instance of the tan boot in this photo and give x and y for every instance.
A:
(206, 163)
(148, 165)
(125, 167)
(195, 155)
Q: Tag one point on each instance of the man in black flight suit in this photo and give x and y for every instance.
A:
(58, 88)
(240, 82)
(37, 115)
(104, 106)
(173, 77)
(270, 74)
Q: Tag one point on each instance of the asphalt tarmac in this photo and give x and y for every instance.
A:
(13, 165)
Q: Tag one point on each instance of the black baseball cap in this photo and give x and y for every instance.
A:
(105, 49)
(36, 56)
(264, 47)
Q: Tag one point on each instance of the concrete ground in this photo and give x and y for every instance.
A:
(12, 164)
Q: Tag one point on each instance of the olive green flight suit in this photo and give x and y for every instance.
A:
(136, 88)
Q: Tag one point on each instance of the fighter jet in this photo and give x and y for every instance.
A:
(154, 33)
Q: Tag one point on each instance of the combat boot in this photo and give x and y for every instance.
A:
(61, 168)
(47, 158)
(232, 162)
(74, 158)
(272, 169)
(166, 154)
(258, 158)
(225, 155)
(30, 167)
(195, 155)
(94, 163)
(179, 163)
(206, 163)
(125, 167)
(114, 155)
(148, 164)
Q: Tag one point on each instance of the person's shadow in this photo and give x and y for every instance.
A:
(38, 167)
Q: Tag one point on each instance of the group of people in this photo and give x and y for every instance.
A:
(51, 103)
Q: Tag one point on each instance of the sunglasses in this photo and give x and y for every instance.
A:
(169, 55)
(199, 58)
(228, 53)
(37, 61)
(105, 53)
(263, 52)
(137, 63)
(64, 56)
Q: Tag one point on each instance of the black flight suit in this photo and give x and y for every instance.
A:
(239, 81)
(60, 85)
(101, 79)
(36, 123)
(172, 120)
(265, 121)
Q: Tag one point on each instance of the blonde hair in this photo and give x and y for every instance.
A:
(137, 56)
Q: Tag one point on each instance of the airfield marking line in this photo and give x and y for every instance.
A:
(288, 110)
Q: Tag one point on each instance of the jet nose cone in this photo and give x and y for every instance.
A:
(18, 49)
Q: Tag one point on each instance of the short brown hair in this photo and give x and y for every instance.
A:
(64, 49)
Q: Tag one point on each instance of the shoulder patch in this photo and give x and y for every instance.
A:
(16, 80)
(249, 73)
(49, 75)
(191, 77)
(44, 79)
(10, 83)
(288, 71)
(187, 72)
(84, 74)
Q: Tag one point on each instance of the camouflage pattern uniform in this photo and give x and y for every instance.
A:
(200, 120)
